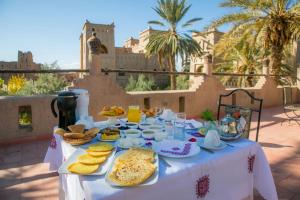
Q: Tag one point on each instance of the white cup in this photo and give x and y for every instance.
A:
(212, 139)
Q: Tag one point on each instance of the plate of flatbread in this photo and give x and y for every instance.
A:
(94, 159)
(133, 167)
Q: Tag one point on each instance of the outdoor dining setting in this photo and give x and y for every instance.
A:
(150, 100)
(139, 153)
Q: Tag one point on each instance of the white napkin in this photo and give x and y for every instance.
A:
(193, 124)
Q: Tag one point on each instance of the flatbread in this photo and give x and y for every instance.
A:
(138, 154)
(133, 167)
(78, 128)
(98, 153)
(79, 168)
(101, 146)
(60, 131)
(74, 135)
(92, 131)
(91, 160)
(132, 173)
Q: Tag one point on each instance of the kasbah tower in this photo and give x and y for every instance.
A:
(130, 56)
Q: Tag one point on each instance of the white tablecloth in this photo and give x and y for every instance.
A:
(231, 173)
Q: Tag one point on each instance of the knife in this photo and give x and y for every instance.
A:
(206, 149)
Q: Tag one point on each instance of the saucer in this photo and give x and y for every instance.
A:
(220, 147)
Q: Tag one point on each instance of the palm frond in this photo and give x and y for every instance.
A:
(156, 23)
(191, 22)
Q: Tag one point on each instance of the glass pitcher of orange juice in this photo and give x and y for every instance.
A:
(134, 114)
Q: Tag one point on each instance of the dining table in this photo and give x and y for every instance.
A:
(228, 174)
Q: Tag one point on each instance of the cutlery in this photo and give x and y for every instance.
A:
(229, 145)
(208, 150)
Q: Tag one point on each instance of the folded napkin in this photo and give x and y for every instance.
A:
(193, 124)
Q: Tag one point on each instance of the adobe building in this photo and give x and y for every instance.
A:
(131, 56)
(206, 40)
(25, 62)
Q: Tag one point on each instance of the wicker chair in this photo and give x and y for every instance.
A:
(246, 112)
(290, 107)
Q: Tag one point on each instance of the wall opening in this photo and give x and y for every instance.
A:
(181, 104)
(25, 117)
(147, 103)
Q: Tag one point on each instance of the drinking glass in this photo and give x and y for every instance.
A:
(179, 126)
(134, 114)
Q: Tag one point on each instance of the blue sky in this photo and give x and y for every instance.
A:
(51, 28)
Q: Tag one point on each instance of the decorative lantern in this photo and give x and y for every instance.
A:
(229, 125)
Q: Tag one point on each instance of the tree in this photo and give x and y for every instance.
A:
(239, 57)
(182, 82)
(44, 83)
(168, 44)
(275, 24)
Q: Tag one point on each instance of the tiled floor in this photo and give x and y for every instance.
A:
(24, 176)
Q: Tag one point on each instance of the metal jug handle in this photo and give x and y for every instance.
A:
(52, 107)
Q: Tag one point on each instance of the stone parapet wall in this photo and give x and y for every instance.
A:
(105, 91)
(42, 118)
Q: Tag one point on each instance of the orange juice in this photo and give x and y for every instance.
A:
(134, 114)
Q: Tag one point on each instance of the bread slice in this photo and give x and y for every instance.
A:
(78, 128)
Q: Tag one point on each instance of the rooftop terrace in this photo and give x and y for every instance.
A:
(23, 174)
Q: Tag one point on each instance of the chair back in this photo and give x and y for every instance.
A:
(244, 111)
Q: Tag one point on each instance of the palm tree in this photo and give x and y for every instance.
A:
(240, 58)
(168, 44)
(272, 23)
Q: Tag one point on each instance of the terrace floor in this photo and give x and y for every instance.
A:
(23, 175)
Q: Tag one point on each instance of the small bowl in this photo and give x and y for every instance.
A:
(159, 136)
(132, 125)
(150, 120)
(156, 127)
(133, 133)
(145, 125)
(116, 125)
(148, 134)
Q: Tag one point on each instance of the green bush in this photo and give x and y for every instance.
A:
(44, 83)
(182, 82)
(143, 83)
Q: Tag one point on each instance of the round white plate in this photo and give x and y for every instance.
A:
(175, 147)
(220, 147)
